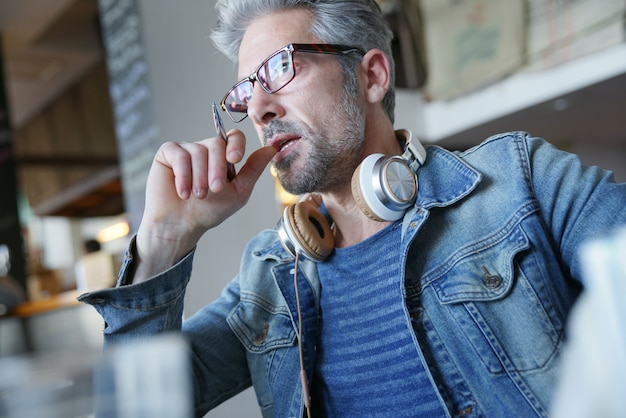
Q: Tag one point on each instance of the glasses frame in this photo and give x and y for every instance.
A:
(329, 49)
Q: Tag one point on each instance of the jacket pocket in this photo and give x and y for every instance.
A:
(498, 308)
(261, 327)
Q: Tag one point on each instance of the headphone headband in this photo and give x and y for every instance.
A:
(414, 151)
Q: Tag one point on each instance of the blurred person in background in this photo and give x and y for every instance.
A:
(11, 294)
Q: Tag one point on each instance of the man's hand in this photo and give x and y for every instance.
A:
(188, 193)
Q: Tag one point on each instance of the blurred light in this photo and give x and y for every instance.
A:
(283, 197)
(561, 104)
(115, 231)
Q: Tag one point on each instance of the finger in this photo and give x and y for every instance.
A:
(217, 174)
(174, 158)
(254, 167)
(235, 146)
(235, 150)
(199, 168)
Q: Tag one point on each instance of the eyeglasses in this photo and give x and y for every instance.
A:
(273, 74)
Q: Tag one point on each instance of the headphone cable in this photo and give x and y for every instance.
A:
(303, 377)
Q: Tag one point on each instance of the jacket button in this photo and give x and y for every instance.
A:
(491, 281)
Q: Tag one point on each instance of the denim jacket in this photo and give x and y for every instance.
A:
(491, 271)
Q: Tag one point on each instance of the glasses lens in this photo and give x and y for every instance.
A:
(273, 74)
(236, 101)
(276, 72)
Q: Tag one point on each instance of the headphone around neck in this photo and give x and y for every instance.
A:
(383, 186)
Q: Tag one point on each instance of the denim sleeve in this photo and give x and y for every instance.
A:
(578, 202)
(134, 311)
(143, 309)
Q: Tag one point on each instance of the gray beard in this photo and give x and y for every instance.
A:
(330, 160)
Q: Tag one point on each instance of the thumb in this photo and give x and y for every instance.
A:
(254, 167)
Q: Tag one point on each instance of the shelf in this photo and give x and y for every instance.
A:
(437, 120)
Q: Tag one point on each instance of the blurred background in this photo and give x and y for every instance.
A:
(89, 89)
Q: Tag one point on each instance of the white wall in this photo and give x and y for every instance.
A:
(186, 75)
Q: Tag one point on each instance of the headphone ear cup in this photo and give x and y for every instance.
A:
(357, 189)
(384, 187)
(308, 230)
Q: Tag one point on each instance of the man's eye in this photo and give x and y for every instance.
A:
(278, 67)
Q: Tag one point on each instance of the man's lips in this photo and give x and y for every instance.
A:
(282, 142)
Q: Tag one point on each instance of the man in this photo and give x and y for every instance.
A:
(453, 305)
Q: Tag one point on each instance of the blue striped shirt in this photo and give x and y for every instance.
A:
(367, 361)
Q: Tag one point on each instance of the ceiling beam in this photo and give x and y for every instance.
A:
(74, 193)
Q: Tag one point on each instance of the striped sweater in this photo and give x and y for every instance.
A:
(367, 361)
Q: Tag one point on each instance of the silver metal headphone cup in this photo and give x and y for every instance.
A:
(394, 183)
(285, 238)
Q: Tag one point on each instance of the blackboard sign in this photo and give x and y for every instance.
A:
(11, 241)
(136, 130)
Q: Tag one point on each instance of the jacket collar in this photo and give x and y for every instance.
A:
(443, 180)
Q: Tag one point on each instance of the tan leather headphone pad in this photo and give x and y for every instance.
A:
(311, 229)
(358, 196)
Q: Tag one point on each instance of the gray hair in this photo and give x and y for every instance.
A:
(357, 23)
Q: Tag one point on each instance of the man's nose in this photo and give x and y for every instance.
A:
(264, 107)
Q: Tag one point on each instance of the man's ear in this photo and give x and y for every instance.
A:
(376, 67)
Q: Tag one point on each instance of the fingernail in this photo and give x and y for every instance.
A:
(234, 156)
(217, 185)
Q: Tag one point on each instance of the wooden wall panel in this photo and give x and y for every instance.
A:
(69, 143)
